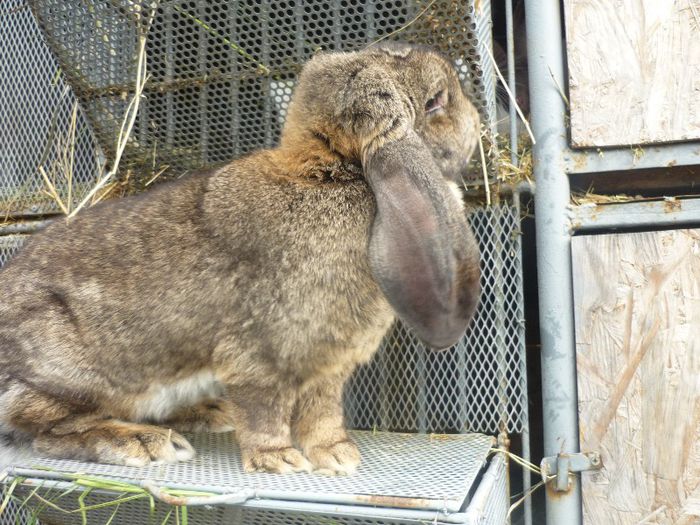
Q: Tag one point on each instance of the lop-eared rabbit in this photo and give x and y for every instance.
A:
(243, 297)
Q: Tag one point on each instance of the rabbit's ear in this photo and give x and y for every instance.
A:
(421, 250)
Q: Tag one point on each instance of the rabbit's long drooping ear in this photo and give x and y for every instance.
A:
(420, 133)
(421, 249)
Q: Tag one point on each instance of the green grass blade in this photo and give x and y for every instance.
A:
(81, 502)
(116, 509)
(167, 517)
(10, 490)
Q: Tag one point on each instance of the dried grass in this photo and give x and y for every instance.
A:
(509, 173)
(496, 169)
(95, 194)
(590, 197)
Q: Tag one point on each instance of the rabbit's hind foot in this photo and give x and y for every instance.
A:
(115, 442)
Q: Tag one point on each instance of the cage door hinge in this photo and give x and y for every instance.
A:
(563, 465)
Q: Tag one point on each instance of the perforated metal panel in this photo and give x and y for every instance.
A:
(222, 71)
(36, 112)
(478, 385)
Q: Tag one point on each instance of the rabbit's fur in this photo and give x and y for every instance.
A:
(244, 297)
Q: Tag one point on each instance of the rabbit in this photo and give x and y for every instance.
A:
(244, 296)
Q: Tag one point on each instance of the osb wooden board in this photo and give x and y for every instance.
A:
(634, 71)
(637, 307)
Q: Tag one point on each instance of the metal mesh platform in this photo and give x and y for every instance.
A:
(399, 471)
(488, 506)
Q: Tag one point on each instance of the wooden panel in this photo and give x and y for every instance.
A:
(634, 70)
(637, 305)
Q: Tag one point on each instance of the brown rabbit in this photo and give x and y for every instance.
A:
(245, 296)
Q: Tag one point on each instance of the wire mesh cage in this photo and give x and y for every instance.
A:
(221, 72)
(221, 76)
(43, 125)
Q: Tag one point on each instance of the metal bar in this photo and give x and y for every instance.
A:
(632, 157)
(462, 384)
(477, 510)
(499, 253)
(421, 517)
(422, 401)
(169, 57)
(370, 8)
(266, 83)
(234, 84)
(546, 67)
(639, 214)
(512, 113)
(525, 434)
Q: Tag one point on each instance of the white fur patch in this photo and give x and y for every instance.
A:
(456, 192)
(161, 400)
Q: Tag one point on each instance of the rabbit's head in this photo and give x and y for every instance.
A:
(399, 111)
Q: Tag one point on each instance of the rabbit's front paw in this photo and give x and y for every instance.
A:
(275, 460)
(341, 458)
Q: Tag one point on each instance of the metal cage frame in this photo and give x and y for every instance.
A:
(459, 400)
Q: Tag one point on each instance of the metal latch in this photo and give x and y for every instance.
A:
(561, 465)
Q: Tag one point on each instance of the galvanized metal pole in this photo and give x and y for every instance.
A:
(515, 160)
(548, 115)
(512, 113)
(525, 434)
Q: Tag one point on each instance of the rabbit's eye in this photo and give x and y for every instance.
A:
(436, 102)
